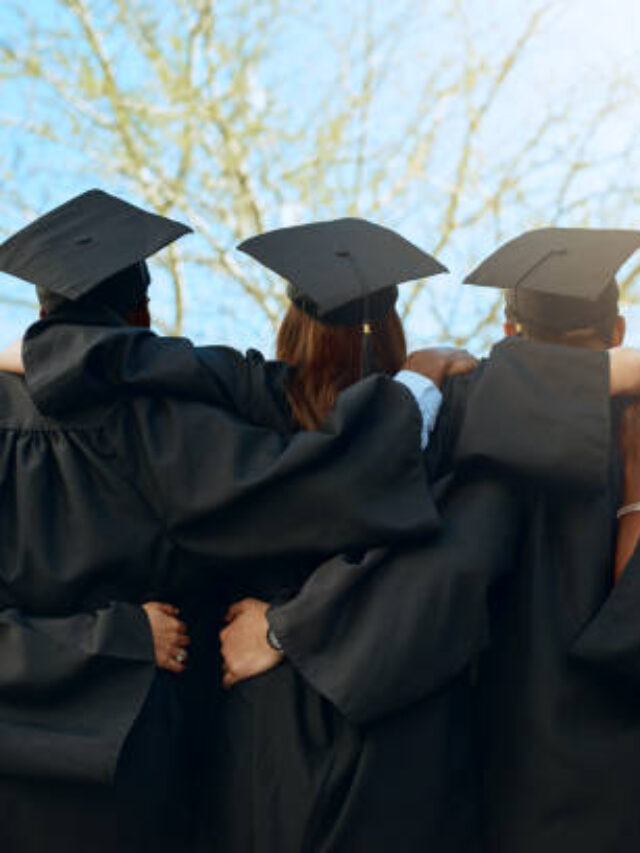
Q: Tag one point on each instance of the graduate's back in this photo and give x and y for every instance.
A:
(559, 741)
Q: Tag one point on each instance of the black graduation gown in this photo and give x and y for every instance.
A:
(298, 775)
(560, 718)
(110, 500)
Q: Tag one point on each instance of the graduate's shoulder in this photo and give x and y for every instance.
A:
(17, 409)
(74, 362)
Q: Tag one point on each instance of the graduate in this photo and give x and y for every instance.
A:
(559, 719)
(520, 380)
(111, 500)
(276, 735)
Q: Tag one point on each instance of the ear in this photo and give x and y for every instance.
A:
(510, 329)
(619, 331)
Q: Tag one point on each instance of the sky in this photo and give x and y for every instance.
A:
(581, 42)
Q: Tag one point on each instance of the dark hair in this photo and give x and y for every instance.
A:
(124, 292)
(326, 359)
(563, 319)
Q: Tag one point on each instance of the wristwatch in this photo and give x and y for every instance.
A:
(273, 640)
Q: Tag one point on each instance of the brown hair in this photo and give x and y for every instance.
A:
(327, 359)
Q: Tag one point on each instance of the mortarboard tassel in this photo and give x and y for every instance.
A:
(366, 362)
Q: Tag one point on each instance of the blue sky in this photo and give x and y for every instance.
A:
(582, 42)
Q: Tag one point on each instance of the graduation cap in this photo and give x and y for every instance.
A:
(90, 240)
(342, 272)
(559, 279)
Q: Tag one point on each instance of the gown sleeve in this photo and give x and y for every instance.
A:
(374, 636)
(51, 667)
(104, 359)
(233, 492)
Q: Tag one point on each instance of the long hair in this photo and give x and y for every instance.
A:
(326, 359)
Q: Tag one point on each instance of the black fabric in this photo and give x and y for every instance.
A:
(560, 712)
(119, 498)
(343, 271)
(576, 263)
(73, 249)
(540, 410)
(276, 750)
(155, 793)
(151, 804)
(378, 635)
(392, 639)
(296, 776)
(558, 684)
(40, 817)
(413, 785)
(354, 313)
(95, 350)
(396, 765)
(70, 685)
(186, 486)
(609, 644)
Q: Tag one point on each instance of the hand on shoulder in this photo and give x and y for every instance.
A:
(438, 363)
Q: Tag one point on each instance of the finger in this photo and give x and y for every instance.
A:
(181, 641)
(164, 607)
(229, 677)
(239, 677)
(237, 608)
(179, 656)
(174, 626)
(234, 609)
(171, 665)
